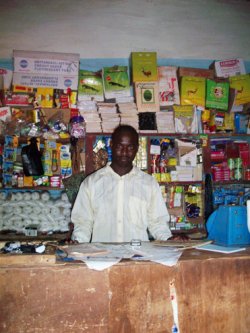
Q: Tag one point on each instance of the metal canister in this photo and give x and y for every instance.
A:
(230, 163)
(238, 162)
(237, 173)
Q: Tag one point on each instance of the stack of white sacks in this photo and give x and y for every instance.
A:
(88, 109)
(21, 209)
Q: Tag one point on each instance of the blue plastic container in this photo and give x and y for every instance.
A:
(228, 226)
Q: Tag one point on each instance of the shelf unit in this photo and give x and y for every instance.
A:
(89, 144)
(224, 185)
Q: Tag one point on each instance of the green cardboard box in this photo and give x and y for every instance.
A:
(144, 66)
(217, 95)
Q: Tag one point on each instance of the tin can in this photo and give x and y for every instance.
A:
(238, 162)
(238, 173)
(230, 163)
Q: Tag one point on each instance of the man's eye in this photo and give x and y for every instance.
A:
(131, 148)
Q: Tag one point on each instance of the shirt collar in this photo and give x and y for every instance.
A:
(132, 172)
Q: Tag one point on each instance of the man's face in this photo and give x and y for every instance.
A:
(124, 149)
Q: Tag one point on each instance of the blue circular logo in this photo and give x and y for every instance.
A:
(68, 83)
(23, 63)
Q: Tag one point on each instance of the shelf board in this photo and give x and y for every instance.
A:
(231, 182)
(23, 139)
(34, 188)
(225, 134)
(182, 183)
(8, 236)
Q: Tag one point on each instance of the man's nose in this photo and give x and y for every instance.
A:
(124, 150)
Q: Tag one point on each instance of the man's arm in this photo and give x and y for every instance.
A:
(158, 215)
(82, 215)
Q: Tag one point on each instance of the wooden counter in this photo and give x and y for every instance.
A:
(213, 292)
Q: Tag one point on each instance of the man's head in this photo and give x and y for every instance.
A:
(124, 144)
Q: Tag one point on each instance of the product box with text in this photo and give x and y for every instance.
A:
(144, 66)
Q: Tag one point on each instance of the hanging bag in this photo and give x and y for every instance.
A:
(31, 159)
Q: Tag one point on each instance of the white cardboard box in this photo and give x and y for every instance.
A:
(46, 62)
(46, 80)
(229, 67)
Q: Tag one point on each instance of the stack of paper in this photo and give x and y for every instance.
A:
(88, 109)
(110, 117)
(124, 99)
(128, 114)
(165, 122)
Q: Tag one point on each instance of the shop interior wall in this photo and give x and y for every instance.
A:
(105, 32)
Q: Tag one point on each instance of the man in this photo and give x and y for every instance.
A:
(119, 202)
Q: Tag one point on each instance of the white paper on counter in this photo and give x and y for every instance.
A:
(113, 253)
(167, 256)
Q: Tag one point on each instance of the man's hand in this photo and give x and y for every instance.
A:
(68, 239)
(180, 238)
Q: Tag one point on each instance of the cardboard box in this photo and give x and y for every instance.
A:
(18, 99)
(168, 86)
(217, 94)
(241, 83)
(187, 153)
(193, 90)
(37, 62)
(44, 97)
(47, 81)
(144, 66)
(200, 72)
(187, 156)
(147, 96)
(229, 67)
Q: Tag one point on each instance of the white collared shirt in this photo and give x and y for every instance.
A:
(117, 208)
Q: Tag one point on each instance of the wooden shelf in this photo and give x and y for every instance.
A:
(179, 183)
(40, 237)
(33, 188)
(231, 182)
(24, 139)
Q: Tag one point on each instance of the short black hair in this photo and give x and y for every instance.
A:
(125, 128)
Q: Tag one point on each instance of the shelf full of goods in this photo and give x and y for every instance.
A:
(41, 146)
(54, 102)
(40, 126)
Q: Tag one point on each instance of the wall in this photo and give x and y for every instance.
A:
(176, 29)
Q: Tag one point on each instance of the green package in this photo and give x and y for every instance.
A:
(90, 85)
(217, 95)
(116, 81)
